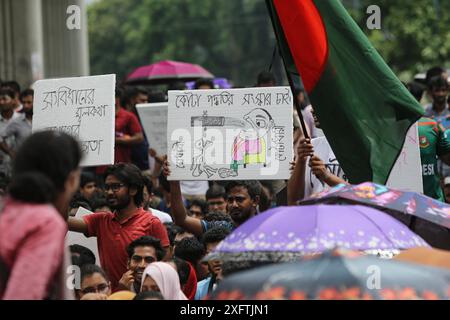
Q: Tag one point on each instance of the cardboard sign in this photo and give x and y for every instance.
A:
(232, 134)
(83, 107)
(154, 121)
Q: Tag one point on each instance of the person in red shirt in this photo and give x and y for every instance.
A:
(115, 231)
(128, 131)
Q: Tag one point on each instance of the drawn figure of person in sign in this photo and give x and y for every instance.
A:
(249, 147)
(198, 162)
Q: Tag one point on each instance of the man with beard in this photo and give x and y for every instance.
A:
(19, 128)
(128, 222)
(141, 253)
(242, 203)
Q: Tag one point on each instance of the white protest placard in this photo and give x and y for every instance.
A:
(83, 107)
(232, 134)
(79, 238)
(154, 120)
(407, 172)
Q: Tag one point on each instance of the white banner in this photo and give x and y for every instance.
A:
(83, 107)
(154, 120)
(232, 134)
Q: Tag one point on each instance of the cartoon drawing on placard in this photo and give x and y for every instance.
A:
(249, 146)
(216, 121)
(199, 165)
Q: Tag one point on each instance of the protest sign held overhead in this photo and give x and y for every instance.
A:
(82, 107)
(230, 134)
(154, 120)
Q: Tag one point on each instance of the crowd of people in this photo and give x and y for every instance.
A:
(155, 236)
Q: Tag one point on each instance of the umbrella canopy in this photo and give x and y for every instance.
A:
(428, 217)
(168, 70)
(337, 276)
(286, 233)
(431, 257)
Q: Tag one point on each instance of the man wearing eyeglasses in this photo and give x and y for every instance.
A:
(128, 221)
(141, 253)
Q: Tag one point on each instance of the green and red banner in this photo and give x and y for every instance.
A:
(364, 110)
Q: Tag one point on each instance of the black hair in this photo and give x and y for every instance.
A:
(40, 169)
(85, 256)
(200, 203)
(172, 231)
(264, 199)
(190, 249)
(156, 96)
(130, 175)
(78, 201)
(438, 82)
(204, 82)
(218, 216)
(87, 177)
(183, 270)
(216, 191)
(6, 91)
(177, 85)
(148, 184)
(253, 187)
(89, 269)
(130, 93)
(98, 200)
(119, 93)
(147, 241)
(416, 89)
(215, 234)
(433, 72)
(149, 295)
(264, 77)
(26, 93)
(14, 85)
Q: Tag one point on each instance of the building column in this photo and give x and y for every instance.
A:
(66, 51)
(21, 41)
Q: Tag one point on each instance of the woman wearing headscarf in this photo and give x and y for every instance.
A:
(162, 277)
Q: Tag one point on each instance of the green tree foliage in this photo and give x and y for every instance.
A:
(414, 35)
(234, 38)
(230, 38)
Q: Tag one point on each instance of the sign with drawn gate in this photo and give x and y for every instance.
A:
(83, 107)
(231, 134)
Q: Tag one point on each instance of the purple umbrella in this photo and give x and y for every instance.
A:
(286, 233)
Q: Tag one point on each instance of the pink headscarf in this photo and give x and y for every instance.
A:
(167, 280)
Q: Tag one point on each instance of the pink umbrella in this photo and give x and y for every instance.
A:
(168, 70)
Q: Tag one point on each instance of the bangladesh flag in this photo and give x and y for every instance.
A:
(364, 110)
